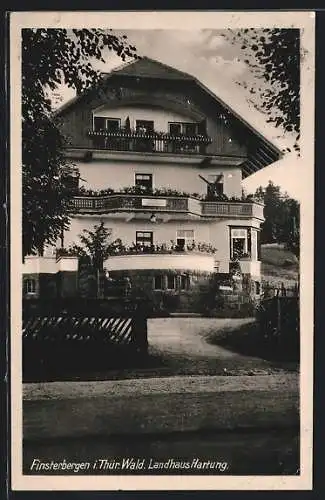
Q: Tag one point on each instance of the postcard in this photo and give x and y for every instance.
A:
(162, 203)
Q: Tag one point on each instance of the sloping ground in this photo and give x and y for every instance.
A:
(279, 265)
(193, 346)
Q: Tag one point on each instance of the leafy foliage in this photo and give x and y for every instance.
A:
(50, 58)
(96, 245)
(273, 55)
(282, 218)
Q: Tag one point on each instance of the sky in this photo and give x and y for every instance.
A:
(218, 64)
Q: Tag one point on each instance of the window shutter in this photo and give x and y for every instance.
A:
(249, 241)
(258, 245)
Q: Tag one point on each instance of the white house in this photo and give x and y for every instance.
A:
(161, 162)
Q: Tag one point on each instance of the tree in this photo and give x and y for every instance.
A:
(273, 56)
(50, 58)
(273, 213)
(96, 245)
(94, 248)
(291, 234)
(282, 217)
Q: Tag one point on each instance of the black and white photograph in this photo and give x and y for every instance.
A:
(162, 250)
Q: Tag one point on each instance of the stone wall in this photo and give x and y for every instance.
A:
(205, 293)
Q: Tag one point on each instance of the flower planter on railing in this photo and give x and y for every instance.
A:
(124, 202)
(117, 248)
(149, 142)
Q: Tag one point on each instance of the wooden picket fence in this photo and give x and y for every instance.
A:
(81, 336)
(81, 329)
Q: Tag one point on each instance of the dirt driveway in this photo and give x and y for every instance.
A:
(187, 336)
(183, 347)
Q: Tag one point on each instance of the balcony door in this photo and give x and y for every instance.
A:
(144, 144)
(145, 181)
(184, 237)
(111, 125)
(186, 131)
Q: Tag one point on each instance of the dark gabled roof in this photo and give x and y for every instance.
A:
(149, 68)
(267, 151)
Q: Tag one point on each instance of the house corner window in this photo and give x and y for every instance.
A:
(239, 243)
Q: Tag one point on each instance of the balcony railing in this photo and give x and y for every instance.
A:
(229, 209)
(126, 202)
(149, 142)
(168, 204)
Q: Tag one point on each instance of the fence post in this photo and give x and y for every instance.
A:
(139, 328)
(278, 299)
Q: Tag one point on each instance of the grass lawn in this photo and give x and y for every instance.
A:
(279, 265)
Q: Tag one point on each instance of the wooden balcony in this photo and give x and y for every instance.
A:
(129, 203)
(149, 142)
(231, 209)
(166, 204)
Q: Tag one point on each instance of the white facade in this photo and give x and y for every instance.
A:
(104, 174)
(162, 128)
(214, 232)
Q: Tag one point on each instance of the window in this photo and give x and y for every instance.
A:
(257, 287)
(144, 238)
(144, 180)
(171, 282)
(184, 237)
(188, 129)
(238, 243)
(103, 123)
(184, 282)
(145, 126)
(216, 185)
(254, 244)
(175, 128)
(158, 282)
(258, 244)
(144, 144)
(29, 286)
